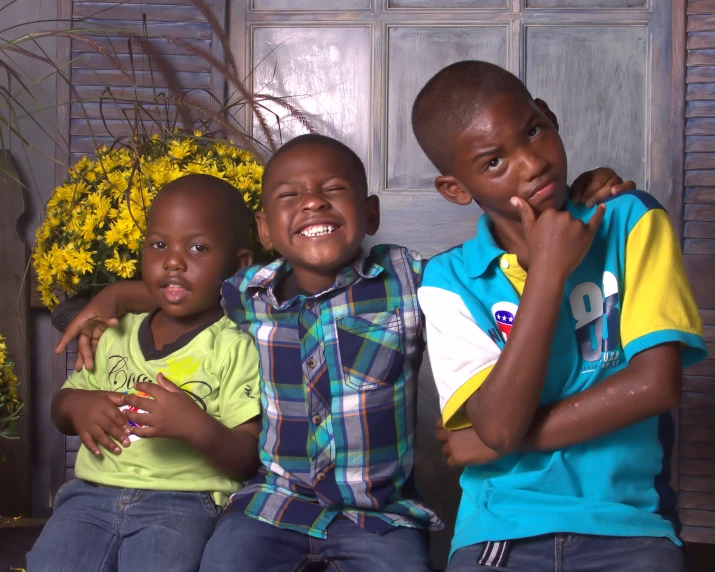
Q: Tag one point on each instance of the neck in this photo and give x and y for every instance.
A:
(166, 329)
(509, 235)
(302, 281)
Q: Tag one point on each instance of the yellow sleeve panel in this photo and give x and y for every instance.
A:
(656, 293)
(453, 414)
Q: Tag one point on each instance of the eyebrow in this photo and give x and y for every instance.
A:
(493, 150)
(322, 181)
(485, 153)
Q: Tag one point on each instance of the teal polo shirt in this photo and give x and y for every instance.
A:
(629, 294)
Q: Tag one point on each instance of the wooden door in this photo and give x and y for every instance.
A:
(355, 66)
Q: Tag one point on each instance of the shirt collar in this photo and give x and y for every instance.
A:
(266, 279)
(480, 251)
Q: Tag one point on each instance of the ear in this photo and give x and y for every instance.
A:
(264, 233)
(451, 189)
(550, 115)
(244, 257)
(372, 206)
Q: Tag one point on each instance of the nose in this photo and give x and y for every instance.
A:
(314, 201)
(533, 164)
(174, 261)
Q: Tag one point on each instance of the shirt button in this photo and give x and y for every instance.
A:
(317, 419)
(320, 477)
(504, 263)
(309, 305)
(310, 363)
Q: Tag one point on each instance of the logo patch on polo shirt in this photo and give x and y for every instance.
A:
(504, 314)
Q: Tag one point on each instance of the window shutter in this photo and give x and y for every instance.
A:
(696, 481)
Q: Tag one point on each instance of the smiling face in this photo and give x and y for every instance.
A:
(187, 254)
(316, 211)
(510, 149)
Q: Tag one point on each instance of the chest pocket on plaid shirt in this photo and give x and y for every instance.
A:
(371, 349)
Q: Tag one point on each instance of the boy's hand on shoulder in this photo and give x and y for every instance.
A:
(556, 241)
(97, 420)
(464, 447)
(100, 313)
(596, 186)
(170, 412)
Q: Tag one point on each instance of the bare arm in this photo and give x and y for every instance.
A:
(103, 311)
(233, 451)
(649, 386)
(503, 408)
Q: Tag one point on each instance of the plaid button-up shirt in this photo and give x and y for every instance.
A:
(338, 389)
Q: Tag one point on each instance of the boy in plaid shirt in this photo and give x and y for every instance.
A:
(340, 338)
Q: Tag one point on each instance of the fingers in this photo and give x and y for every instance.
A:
(117, 428)
(166, 384)
(144, 432)
(138, 418)
(623, 186)
(527, 214)
(115, 398)
(143, 403)
(596, 219)
(85, 354)
(95, 436)
(88, 442)
(152, 389)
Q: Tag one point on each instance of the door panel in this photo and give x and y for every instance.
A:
(327, 72)
(582, 71)
(436, 4)
(298, 5)
(591, 4)
(434, 47)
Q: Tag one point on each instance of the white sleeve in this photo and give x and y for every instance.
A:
(461, 353)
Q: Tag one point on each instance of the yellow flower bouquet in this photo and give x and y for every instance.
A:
(10, 403)
(94, 221)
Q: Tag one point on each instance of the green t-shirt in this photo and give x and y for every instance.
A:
(217, 365)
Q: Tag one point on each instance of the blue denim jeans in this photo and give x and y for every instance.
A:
(241, 543)
(97, 528)
(578, 553)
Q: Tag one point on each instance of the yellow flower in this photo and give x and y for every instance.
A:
(97, 217)
(120, 265)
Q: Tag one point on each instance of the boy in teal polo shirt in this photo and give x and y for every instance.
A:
(557, 336)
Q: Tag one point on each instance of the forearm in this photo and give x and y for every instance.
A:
(233, 452)
(61, 404)
(502, 410)
(132, 296)
(649, 386)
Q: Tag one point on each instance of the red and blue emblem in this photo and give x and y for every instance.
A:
(504, 315)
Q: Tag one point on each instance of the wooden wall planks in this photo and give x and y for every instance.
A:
(105, 23)
(696, 449)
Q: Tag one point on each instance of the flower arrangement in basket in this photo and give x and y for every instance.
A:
(95, 220)
(10, 404)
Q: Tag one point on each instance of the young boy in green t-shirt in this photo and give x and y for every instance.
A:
(177, 388)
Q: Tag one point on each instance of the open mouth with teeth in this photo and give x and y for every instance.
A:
(315, 230)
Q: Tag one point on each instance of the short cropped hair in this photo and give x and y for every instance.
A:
(449, 102)
(237, 218)
(314, 139)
